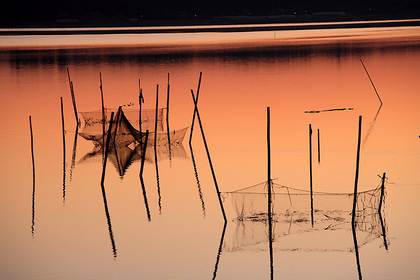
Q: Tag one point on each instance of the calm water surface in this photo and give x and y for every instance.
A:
(60, 227)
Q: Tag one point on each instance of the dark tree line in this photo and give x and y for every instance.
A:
(20, 11)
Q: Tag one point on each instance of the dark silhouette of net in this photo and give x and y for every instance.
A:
(292, 224)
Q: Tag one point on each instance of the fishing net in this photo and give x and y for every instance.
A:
(126, 128)
(93, 122)
(299, 226)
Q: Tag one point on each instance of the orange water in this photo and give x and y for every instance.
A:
(243, 73)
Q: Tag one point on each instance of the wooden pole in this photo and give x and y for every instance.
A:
(270, 220)
(141, 101)
(73, 98)
(208, 156)
(319, 147)
(103, 107)
(167, 119)
(64, 148)
(155, 149)
(143, 157)
(382, 192)
(357, 172)
(310, 174)
(33, 178)
(371, 82)
(195, 112)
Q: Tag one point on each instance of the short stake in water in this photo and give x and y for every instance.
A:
(356, 180)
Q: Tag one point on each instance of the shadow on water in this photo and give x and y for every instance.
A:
(141, 176)
(73, 154)
(200, 194)
(108, 218)
(356, 251)
(372, 125)
(219, 251)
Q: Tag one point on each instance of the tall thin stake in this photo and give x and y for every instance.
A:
(319, 147)
(167, 119)
(371, 81)
(382, 192)
(208, 156)
(310, 174)
(73, 98)
(33, 178)
(270, 222)
(103, 107)
(155, 149)
(195, 112)
(356, 180)
(64, 149)
(141, 101)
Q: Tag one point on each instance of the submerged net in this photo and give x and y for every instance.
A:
(292, 218)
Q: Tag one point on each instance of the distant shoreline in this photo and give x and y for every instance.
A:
(220, 26)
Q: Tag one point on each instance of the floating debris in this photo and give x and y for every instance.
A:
(327, 110)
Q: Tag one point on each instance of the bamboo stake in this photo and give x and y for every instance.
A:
(208, 156)
(141, 100)
(319, 147)
(167, 119)
(64, 149)
(310, 174)
(103, 107)
(155, 149)
(357, 172)
(371, 82)
(33, 178)
(195, 112)
(73, 98)
(270, 225)
(382, 192)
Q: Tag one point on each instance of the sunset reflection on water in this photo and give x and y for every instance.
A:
(291, 72)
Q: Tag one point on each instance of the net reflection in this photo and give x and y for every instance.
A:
(126, 140)
(292, 227)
